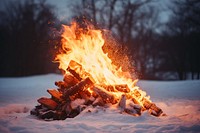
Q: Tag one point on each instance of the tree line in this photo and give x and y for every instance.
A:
(159, 51)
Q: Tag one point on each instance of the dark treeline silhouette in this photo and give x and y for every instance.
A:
(25, 34)
(182, 39)
(159, 51)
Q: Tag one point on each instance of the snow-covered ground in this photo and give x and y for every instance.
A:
(180, 100)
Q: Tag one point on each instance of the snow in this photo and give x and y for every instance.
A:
(180, 100)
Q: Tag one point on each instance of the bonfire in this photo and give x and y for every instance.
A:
(91, 79)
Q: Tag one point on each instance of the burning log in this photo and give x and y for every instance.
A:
(78, 87)
(62, 85)
(47, 102)
(57, 96)
(86, 96)
(106, 96)
(74, 73)
(133, 109)
(76, 69)
(122, 88)
(151, 106)
(63, 104)
(115, 88)
(70, 80)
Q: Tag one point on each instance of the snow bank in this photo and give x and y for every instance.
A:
(180, 100)
(14, 108)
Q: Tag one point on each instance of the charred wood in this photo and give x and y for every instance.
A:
(151, 106)
(105, 95)
(70, 80)
(115, 88)
(122, 88)
(74, 73)
(57, 96)
(78, 69)
(62, 85)
(86, 83)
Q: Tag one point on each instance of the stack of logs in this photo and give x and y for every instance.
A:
(74, 94)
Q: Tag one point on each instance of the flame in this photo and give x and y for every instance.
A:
(84, 46)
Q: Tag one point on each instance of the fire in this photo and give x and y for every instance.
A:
(82, 51)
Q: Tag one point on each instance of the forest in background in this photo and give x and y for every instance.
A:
(161, 51)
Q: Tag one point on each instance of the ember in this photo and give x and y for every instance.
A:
(90, 79)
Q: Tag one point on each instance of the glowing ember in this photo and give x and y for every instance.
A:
(82, 51)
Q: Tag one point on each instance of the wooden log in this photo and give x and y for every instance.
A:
(122, 88)
(55, 94)
(151, 106)
(134, 96)
(122, 102)
(84, 95)
(135, 100)
(47, 102)
(86, 83)
(137, 93)
(62, 85)
(74, 97)
(76, 69)
(115, 88)
(106, 96)
(132, 108)
(70, 80)
(109, 88)
(74, 73)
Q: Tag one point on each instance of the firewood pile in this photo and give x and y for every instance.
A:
(74, 94)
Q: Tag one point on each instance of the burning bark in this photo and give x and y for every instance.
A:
(115, 88)
(106, 96)
(78, 87)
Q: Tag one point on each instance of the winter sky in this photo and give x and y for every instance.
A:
(62, 7)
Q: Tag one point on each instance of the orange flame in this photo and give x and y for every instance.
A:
(85, 48)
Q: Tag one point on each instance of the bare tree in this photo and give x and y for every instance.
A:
(184, 32)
